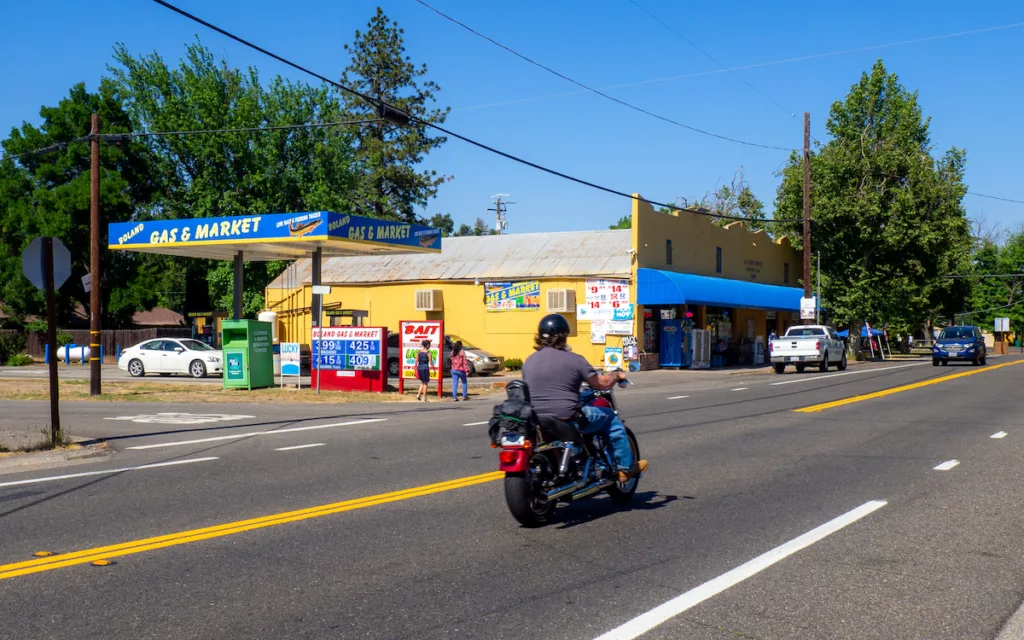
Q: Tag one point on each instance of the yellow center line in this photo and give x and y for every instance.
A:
(85, 556)
(906, 387)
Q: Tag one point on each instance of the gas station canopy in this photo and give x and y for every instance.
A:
(275, 236)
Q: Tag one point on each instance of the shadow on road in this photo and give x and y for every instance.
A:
(593, 509)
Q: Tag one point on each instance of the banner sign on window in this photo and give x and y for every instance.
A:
(512, 296)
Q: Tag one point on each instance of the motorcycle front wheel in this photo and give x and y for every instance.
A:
(622, 492)
(524, 493)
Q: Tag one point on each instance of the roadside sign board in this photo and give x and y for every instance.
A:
(290, 358)
(807, 308)
(1002, 325)
(34, 269)
(411, 337)
(350, 358)
(87, 282)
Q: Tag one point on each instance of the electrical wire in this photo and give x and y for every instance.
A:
(598, 91)
(711, 57)
(756, 65)
(982, 195)
(412, 118)
(141, 134)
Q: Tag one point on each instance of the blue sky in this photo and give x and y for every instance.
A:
(971, 86)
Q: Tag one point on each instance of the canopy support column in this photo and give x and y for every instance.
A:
(239, 282)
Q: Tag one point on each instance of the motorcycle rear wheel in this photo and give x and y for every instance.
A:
(622, 492)
(523, 493)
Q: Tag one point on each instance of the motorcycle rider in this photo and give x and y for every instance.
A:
(554, 376)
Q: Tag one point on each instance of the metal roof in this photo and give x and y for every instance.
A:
(515, 256)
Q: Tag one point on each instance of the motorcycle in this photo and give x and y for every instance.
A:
(549, 461)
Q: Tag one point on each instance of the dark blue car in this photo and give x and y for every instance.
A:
(960, 343)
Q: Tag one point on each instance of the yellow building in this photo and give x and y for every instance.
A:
(491, 291)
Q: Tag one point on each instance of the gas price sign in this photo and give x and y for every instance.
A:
(347, 348)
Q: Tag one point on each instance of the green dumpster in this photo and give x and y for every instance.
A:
(248, 356)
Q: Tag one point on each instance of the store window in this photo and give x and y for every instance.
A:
(718, 321)
(718, 259)
(785, 272)
(668, 252)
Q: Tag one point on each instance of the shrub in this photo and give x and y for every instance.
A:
(513, 364)
(63, 338)
(20, 360)
(10, 345)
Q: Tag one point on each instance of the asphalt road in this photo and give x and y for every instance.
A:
(895, 515)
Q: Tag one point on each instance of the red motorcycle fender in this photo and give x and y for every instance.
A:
(513, 459)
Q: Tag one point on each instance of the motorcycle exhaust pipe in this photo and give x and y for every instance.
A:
(591, 489)
(564, 491)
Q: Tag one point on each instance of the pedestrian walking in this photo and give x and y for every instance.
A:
(423, 370)
(460, 371)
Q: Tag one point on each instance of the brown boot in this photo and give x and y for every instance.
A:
(638, 468)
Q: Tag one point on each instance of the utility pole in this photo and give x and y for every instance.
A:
(95, 364)
(500, 207)
(807, 208)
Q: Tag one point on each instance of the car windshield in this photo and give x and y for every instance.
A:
(957, 333)
(465, 343)
(805, 332)
(195, 345)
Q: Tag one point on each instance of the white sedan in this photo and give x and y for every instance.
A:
(166, 356)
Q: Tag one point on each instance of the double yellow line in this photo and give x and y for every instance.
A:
(85, 556)
(906, 387)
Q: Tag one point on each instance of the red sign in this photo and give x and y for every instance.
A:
(413, 333)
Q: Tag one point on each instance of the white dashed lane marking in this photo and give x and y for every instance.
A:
(300, 446)
(1001, 434)
(947, 465)
(254, 433)
(678, 397)
(105, 472)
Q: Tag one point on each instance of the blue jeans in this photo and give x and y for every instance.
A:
(605, 421)
(456, 376)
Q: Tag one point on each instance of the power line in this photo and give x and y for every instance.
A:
(711, 58)
(982, 195)
(757, 65)
(120, 137)
(598, 91)
(383, 105)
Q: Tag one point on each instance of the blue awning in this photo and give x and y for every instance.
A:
(667, 287)
(863, 333)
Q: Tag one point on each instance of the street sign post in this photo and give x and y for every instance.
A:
(46, 262)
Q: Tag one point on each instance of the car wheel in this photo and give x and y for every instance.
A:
(135, 368)
(472, 369)
(392, 366)
(823, 367)
(935, 362)
(984, 359)
(842, 363)
(945, 362)
(779, 368)
(800, 368)
(197, 369)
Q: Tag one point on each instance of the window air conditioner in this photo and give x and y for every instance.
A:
(562, 300)
(429, 300)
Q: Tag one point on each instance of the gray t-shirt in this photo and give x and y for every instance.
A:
(554, 378)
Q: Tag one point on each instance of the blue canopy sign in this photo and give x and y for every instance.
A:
(273, 236)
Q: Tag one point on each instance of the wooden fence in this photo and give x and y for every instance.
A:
(111, 340)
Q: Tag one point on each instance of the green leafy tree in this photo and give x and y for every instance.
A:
(225, 174)
(444, 222)
(735, 200)
(993, 297)
(625, 222)
(389, 184)
(49, 194)
(887, 215)
(479, 228)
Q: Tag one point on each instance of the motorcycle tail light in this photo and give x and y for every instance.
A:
(513, 460)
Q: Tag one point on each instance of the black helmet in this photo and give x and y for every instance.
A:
(553, 325)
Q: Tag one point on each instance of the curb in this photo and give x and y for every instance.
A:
(26, 461)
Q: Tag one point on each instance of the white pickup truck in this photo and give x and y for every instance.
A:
(805, 345)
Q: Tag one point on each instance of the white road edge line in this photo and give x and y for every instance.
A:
(947, 465)
(106, 471)
(300, 446)
(739, 389)
(678, 397)
(662, 613)
(1001, 434)
(847, 373)
(254, 433)
(475, 424)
